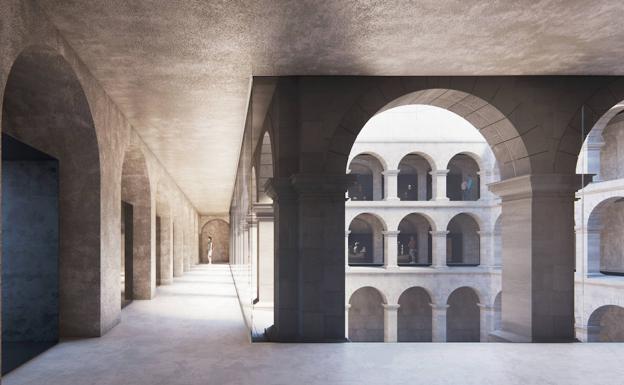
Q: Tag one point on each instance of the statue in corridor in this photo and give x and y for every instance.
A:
(209, 250)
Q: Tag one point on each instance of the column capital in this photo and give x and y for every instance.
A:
(391, 233)
(537, 185)
(484, 233)
(347, 307)
(438, 172)
(280, 189)
(439, 233)
(391, 306)
(391, 172)
(263, 211)
(440, 306)
(485, 306)
(347, 232)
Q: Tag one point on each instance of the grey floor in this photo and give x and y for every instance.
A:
(193, 333)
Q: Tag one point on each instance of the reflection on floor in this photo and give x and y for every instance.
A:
(193, 333)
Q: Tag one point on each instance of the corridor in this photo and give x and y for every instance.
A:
(192, 332)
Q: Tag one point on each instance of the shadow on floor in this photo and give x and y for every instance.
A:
(15, 354)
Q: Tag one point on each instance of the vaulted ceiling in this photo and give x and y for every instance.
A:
(180, 70)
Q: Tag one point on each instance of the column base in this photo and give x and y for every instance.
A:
(392, 199)
(391, 268)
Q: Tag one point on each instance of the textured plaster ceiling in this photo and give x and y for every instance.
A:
(180, 69)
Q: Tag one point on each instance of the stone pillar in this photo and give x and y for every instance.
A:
(391, 253)
(484, 178)
(438, 179)
(391, 184)
(438, 322)
(438, 246)
(538, 257)
(422, 185)
(309, 257)
(592, 163)
(264, 215)
(252, 222)
(486, 248)
(166, 251)
(487, 315)
(245, 255)
(347, 307)
(592, 251)
(423, 245)
(391, 322)
(347, 232)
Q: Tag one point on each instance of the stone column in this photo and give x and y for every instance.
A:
(347, 307)
(422, 185)
(486, 248)
(439, 185)
(538, 257)
(438, 246)
(593, 160)
(252, 222)
(166, 251)
(391, 184)
(347, 232)
(487, 315)
(423, 245)
(264, 215)
(438, 322)
(484, 178)
(592, 251)
(391, 253)
(309, 216)
(245, 254)
(391, 322)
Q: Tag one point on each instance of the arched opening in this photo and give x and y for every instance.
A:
(462, 241)
(414, 179)
(369, 184)
(604, 249)
(50, 156)
(215, 242)
(366, 242)
(366, 315)
(463, 181)
(138, 277)
(463, 316)
(606, 324)
(265, 168)
(414, 316)
(414, 241)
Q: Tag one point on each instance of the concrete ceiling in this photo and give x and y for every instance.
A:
(180, 69)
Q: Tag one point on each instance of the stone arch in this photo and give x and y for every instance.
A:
(463, 241)
(414, 181)
(45, 106)
(365, 240)
(219, 230)
(415, 316)
(604, 223)
(366, 315)
(136, 197)
(464, 170)
(475, 104)
(605, 324)
(463, 316)
(415, 230)
(369, 185)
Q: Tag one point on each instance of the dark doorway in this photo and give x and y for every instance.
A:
(126, 253)
(30, 252)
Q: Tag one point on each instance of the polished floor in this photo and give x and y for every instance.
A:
(193, 333)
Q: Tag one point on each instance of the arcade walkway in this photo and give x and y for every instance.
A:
(193, 333)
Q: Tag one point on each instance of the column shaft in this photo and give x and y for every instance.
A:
(391, 184)
(438, 322)
(391, 253)
(390, 322)
(439, 185)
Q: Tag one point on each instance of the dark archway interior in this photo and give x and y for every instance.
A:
(30, 252)
(462, 181)
(463, 316)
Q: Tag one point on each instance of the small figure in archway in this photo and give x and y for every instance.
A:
(209, 250)
(412, 249)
